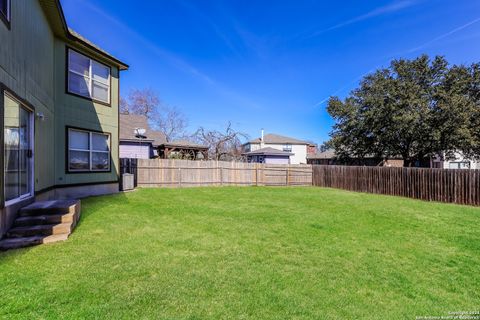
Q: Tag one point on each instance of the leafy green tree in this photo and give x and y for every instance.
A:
(413, 109)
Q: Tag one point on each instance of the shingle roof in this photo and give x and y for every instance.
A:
(54, 13)
(328, 154)
(278, 139)
(268, 152)
(78, 36)
(185, 144)
(130, 122)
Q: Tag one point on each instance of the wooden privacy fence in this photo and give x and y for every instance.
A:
(187, 173)
(444, 185)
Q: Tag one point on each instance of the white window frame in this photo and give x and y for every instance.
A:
(32, 148)
(90, 78)
(90, 151)
(287, 147)
(7, 17)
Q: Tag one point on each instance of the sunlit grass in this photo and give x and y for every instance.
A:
(250, 253)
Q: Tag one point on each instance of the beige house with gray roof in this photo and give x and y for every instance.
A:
(296, 147)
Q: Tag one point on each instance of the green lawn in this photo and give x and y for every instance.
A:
(251, 253)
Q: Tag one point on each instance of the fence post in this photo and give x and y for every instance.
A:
(288, 175)
(179, 176)
(256, 174)
(221, 176)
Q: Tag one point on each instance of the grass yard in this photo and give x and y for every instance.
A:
(251, 253)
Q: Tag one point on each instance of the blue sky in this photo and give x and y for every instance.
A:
(269, 64)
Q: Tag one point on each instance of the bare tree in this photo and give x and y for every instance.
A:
(142, 101)
(169, 120)
(124, 106)
(225, 145)
(172, 122)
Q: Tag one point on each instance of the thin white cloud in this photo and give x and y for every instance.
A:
(443, 36)
(173, 59)
(213, 25)
(340, 90)
(412, 50)
(380, 11)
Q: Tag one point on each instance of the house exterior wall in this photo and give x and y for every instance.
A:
(277, 160)
(33, 70)
(26, 70)
(135, 150)
(299, 151)
(78, 112)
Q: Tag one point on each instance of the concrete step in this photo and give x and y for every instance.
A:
(40, 230)
(45, 219)
(54, 207)
(15, 243)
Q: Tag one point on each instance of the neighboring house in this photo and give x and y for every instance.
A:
(59, 109)
(138, 140)
(328, 157)
(459, 162)
(135, 143)
(297, 148)
(268, 155)
(311, 149)
(324, 158)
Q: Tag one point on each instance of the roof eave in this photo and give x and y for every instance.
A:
(121, 65)
(182, 146)
(135, 140)
(60, 28)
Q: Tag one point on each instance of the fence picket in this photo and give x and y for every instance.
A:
(443, 185)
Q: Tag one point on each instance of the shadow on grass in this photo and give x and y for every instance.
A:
(89, 207)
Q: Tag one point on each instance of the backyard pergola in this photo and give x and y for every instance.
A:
(183, 150)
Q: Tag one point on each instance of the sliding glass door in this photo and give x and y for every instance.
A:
(17, 150)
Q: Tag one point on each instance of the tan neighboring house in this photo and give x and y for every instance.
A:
(59, 97)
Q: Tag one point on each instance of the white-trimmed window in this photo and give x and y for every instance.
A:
(88, 151)
(287, 147)
(5, 9)
(87, 77)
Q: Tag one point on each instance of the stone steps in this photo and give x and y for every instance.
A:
(42, 222)
(43, 219)
(40, 230)
(16, 243)
(53, 207)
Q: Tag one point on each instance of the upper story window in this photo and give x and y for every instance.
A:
(88, 78)
(287, 147)
(5, 10)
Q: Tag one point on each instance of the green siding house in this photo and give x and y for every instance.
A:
(59, 98)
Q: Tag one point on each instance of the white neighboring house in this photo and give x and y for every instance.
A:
(460, 162)
(297, 148)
